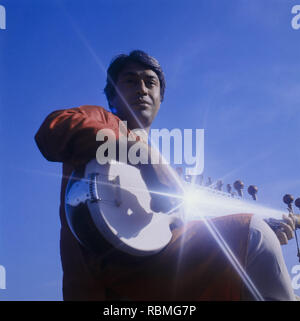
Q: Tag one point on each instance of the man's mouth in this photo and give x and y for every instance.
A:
(141, 104)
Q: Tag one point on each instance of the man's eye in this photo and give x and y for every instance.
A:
(151, 83)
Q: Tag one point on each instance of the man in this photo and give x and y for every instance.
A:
(193, 266)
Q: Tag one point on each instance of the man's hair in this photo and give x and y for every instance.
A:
(121, 61)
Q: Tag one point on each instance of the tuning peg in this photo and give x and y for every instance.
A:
(228, 188)
(199, 179)
(209, 182)
(288, 199)
(297, 216)
(252, 190)
(239, 185)
(297, 202)
(219, 185)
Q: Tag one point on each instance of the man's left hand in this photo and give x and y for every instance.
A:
(286, 230)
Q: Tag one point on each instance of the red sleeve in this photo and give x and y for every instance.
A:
(69, 135)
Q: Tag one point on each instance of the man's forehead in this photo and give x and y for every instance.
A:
(136, 69)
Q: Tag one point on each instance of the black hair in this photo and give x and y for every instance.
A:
(120, 61)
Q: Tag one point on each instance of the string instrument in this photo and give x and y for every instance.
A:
(112, 201)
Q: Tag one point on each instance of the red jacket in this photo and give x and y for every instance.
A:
(191, 267)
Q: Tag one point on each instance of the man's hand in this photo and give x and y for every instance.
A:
(163, 203)
(286, 230)
(161, 192)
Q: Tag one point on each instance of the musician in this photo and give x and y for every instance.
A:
(193, 265)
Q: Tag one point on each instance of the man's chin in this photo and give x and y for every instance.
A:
(143, 119)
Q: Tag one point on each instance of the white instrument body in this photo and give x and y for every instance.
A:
(120, 208)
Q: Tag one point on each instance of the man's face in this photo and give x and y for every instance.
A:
(137, 98)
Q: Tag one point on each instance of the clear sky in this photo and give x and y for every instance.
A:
(232, 68)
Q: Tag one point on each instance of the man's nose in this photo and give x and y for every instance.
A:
(141, 88)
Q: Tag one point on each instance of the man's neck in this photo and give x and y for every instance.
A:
(141, 129)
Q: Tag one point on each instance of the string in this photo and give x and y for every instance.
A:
(297, 245)
(296, 238)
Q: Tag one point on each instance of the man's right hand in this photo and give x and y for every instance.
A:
(161, 193)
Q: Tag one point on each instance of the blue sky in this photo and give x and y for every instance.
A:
(232, 68)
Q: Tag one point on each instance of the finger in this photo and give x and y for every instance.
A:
(290, 220)
(297, 220)
(285, 228)
(281, 237)
(293, 218)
